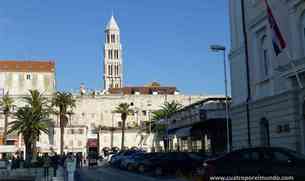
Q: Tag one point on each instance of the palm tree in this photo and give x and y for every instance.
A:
(30, 123)
(124, 110)
(64, 101)
(39, 105)
(170, 108)
(6, 103)
(167, 109)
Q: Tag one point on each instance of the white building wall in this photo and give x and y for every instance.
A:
(17, 84)
(275, 97)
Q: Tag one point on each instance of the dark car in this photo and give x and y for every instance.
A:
(116, 159)
(168, 163)
(263, 161)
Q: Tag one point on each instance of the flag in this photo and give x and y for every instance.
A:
(278, 41)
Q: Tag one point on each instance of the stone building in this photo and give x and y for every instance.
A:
(16, 79)
(277, 100)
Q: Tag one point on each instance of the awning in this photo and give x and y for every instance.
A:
(92, 143)
(183, 132)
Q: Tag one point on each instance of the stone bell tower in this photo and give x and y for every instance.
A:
(113, 67)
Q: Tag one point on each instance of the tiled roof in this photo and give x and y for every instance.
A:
(27, 66)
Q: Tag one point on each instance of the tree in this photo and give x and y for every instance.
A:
(167, 110)
(6, 103)
(30, 124)
(170, 108)
(65, 102)
(31, 120)
(39, 105)
(124, 110)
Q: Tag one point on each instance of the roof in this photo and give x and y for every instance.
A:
(26, 66)
(112, 24)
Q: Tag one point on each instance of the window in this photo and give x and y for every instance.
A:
(303, 29)
(279, 156)
(264, 132)
(112, 38)
(109, 54)
(266, 64)
(109, 69)
(108, 38)
(28, 76)
(144, 113)
(119, 124)
(79, 143)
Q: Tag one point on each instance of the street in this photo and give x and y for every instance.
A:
(112, 174)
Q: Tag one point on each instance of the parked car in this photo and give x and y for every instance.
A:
(133, 163)
(126, 161)
(169, 163)
(116, 159)
(264, 161)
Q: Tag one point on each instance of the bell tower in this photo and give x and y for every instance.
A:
(113, 70)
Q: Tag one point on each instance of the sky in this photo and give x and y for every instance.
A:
(165, 41)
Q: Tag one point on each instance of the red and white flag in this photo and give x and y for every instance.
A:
(278, 41)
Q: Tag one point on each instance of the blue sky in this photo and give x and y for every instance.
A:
(165, 41)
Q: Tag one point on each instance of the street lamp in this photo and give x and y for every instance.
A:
(220, 48)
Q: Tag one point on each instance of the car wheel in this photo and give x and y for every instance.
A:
(141, 168)
(158, 171)
(129, 167)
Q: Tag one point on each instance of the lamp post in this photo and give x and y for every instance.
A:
(220, 48)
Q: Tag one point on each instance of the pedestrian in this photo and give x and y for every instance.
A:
(13, 164)
(55, 162)
(70, 164)
(46, 165)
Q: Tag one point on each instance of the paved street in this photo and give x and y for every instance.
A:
(112, 174)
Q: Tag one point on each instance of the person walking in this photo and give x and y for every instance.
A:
(55, 162)
(46, 165)
(70, 164)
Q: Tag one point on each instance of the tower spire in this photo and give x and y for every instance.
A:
(112, 24)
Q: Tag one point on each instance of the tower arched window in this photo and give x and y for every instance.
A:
(112, 38)
(266, 63)
(109, 69)
(116, 54)
(264, 132)
(108, 38)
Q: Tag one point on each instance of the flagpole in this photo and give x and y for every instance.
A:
(294, 68)
(247, 71)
